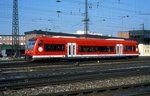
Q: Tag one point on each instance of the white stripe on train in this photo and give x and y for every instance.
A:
(63, 56)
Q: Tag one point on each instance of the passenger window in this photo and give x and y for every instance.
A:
(96, 49)
(40, 43)
(54, 47)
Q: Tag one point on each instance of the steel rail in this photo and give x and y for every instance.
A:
(57, 65)
(19, 82)
(11, 64)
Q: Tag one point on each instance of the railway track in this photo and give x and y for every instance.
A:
(66, 62)
(26, 67)
(29, 79)
(22, 77)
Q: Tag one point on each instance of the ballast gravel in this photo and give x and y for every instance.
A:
(80, 85)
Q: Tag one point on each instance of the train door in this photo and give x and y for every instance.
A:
(119, 48)
(71, 49)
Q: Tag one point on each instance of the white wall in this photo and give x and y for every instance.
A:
(144, 50)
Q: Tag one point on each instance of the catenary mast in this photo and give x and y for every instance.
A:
(15, 30)
(86, 19)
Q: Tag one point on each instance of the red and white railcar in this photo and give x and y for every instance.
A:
(70, 48)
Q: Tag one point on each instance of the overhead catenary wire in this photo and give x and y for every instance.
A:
(98, 8)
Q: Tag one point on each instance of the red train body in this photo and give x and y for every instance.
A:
(70, 48)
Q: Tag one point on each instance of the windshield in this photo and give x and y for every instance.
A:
(30, 43)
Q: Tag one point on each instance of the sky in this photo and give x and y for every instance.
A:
(106, 16)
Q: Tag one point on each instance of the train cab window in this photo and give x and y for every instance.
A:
(30, 44)
(40, 43)
(54, 47)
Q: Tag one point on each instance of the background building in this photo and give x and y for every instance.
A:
(7, 39)
(34, 33)
(124, 34)
(142, 37)
(6, 44)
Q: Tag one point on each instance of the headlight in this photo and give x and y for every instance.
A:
(40, 49)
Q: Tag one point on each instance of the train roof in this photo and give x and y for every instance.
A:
(64, 38)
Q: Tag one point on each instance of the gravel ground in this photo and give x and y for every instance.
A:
(83, 85)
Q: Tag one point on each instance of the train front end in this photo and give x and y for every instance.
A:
(30, 49)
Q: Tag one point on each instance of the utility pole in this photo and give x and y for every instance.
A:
(15, 30)
(86, 19)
